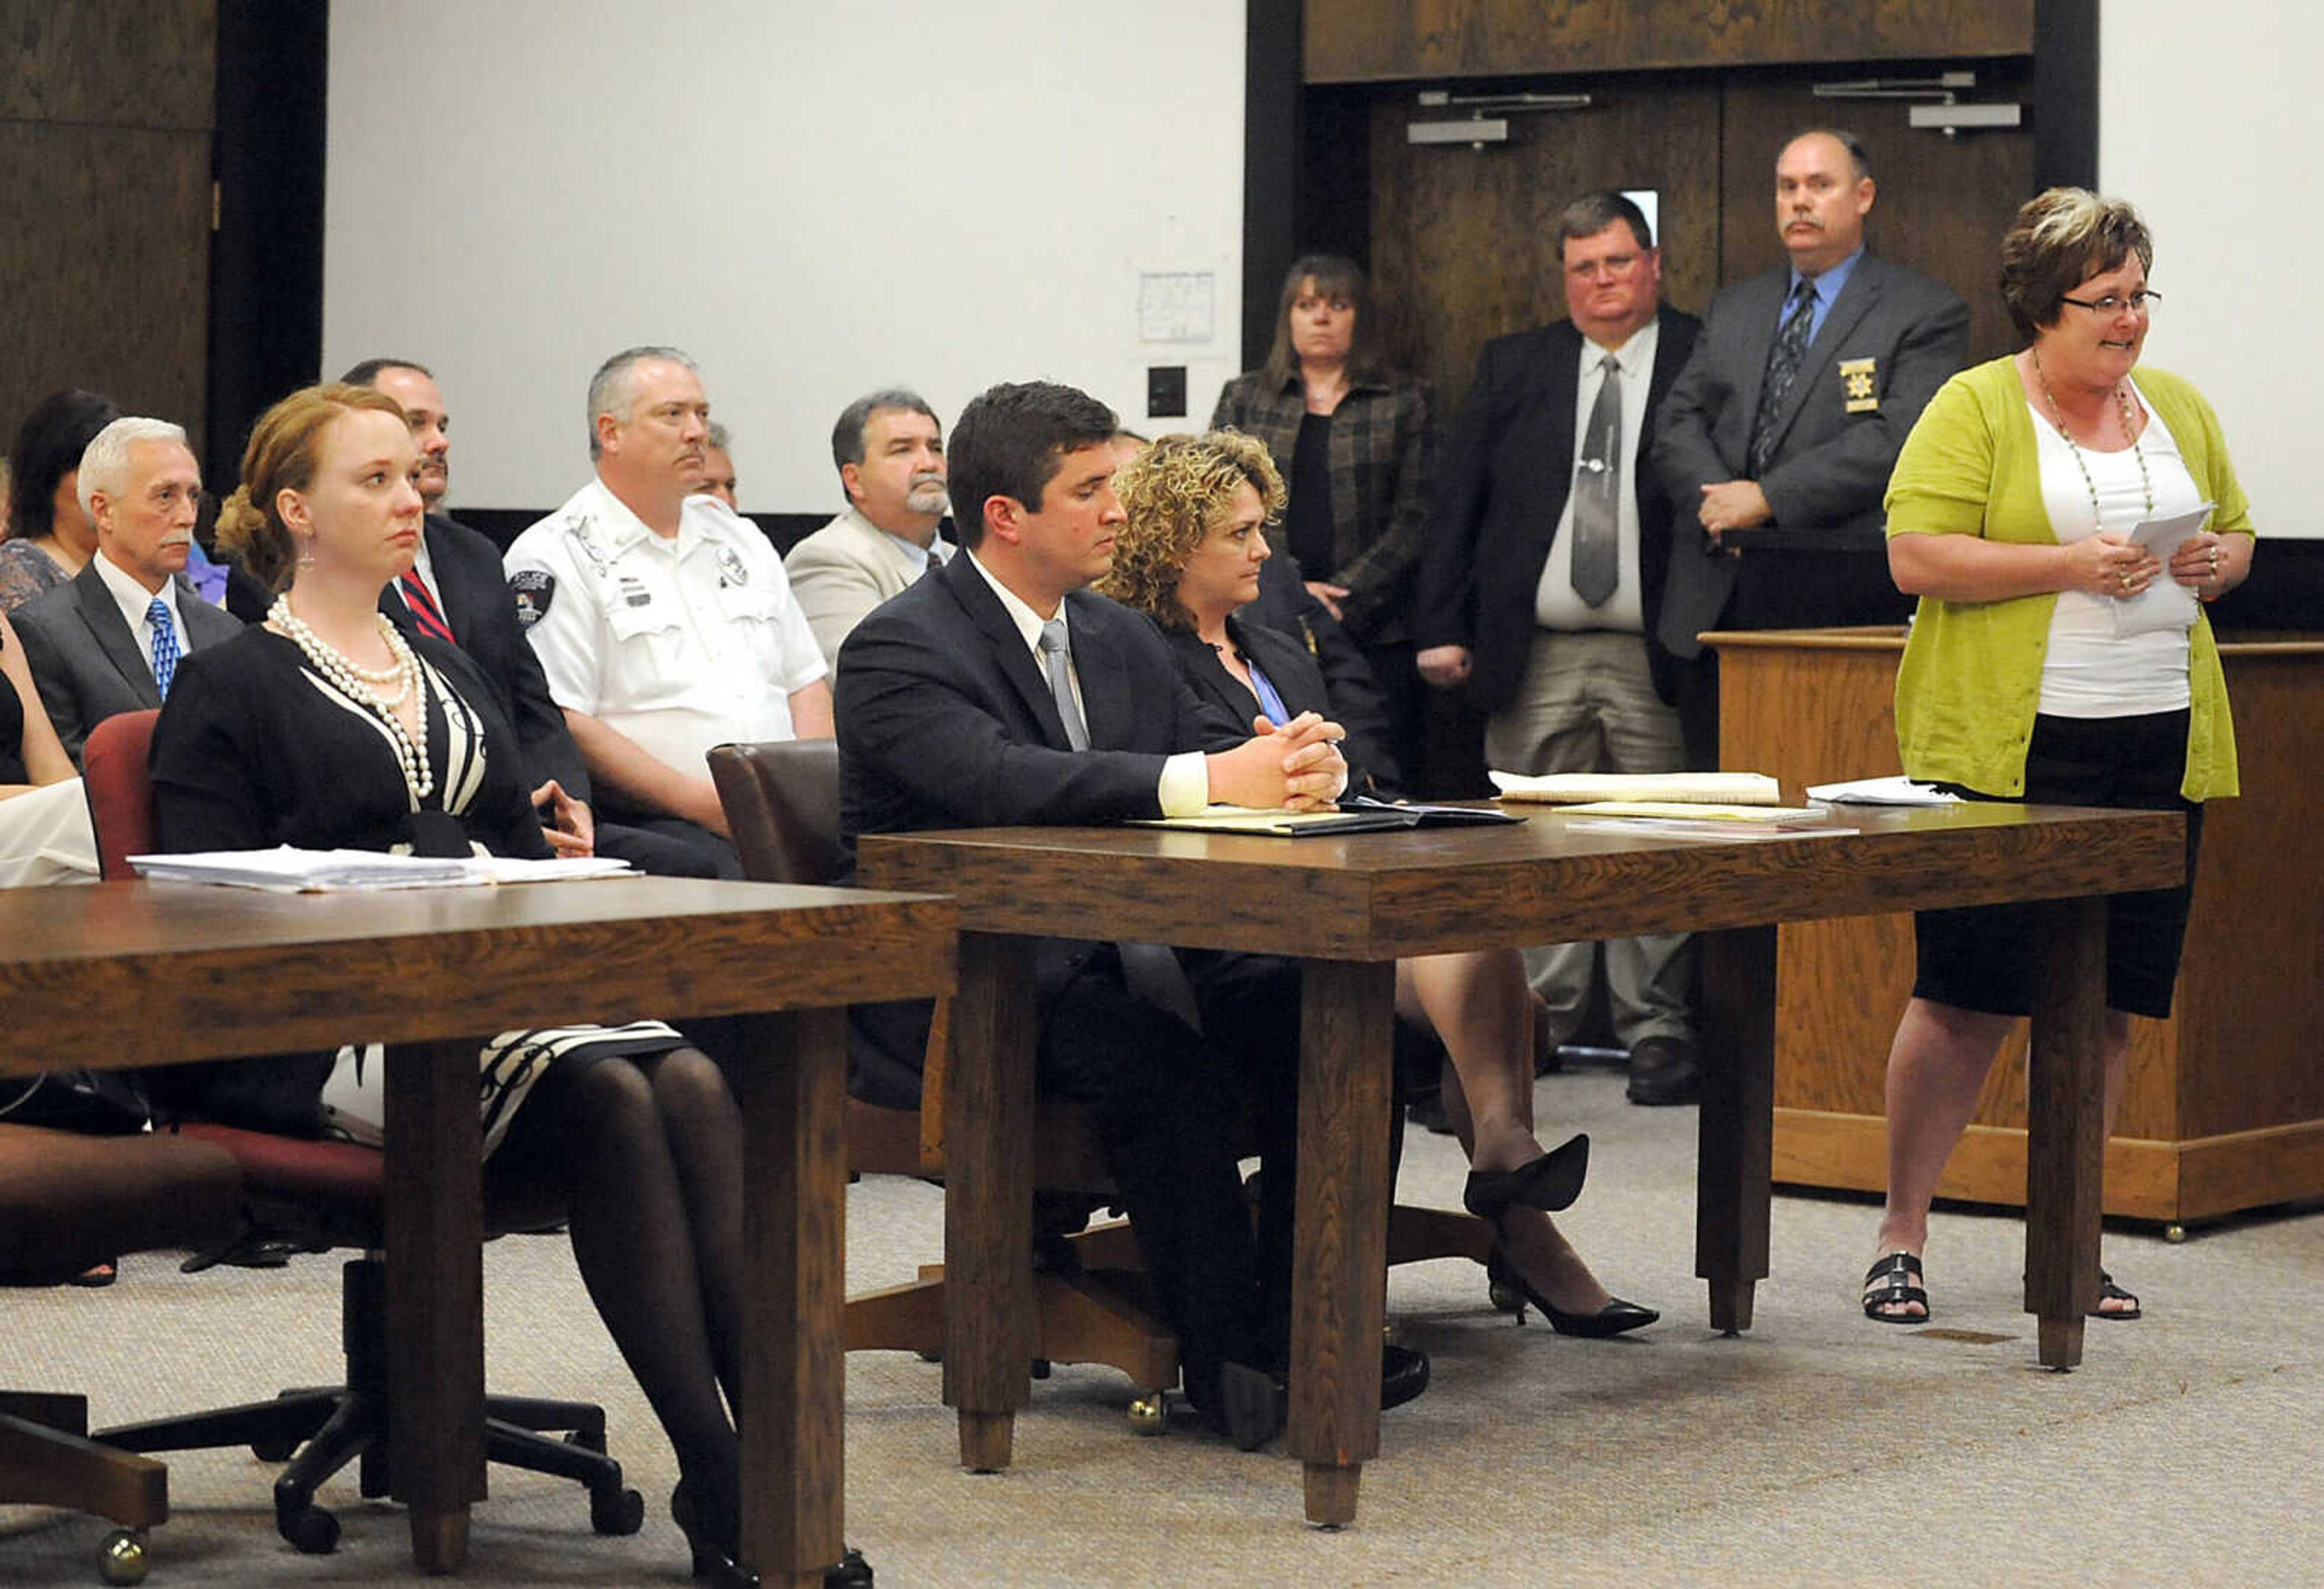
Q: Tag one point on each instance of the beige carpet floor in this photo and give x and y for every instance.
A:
(1818, 1450)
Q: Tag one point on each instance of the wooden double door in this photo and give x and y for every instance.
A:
(1463, 241)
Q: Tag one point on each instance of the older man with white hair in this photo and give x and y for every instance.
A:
(109, 641)
(662, 617)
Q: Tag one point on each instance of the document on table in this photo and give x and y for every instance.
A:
(1692, 788)
(286, 870)
(2165, 605)
(1359, 815)
(1889, 791)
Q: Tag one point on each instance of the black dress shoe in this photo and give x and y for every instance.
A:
(1612, 1320)
(1664, 1071)
(1253, 1402)
(1549, 1183)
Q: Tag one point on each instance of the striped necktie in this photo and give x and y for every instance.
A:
(423, 608)
(1784, 360)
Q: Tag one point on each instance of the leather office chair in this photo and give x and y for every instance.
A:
(324, 1193)
(66, 1200)
(781, 801)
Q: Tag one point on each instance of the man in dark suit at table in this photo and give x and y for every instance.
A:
(109, 641)
(1800, 393)
(1543, 578)
(456, 592)
(999, 692)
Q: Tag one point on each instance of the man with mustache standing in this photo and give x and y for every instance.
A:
(662, 617)
(888, 449)
(109, 641)
(1788, 417)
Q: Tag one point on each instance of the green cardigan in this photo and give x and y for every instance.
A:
(1971, 675)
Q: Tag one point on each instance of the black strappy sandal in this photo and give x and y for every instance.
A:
(1897, 1279)
(2110, 1292)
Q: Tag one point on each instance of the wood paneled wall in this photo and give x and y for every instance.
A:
(1378, 40)
(105, 123)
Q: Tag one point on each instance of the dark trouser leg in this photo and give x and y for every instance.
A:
(1166, 1107)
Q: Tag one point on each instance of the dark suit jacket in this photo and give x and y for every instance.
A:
(1830, 467)
(88, 662)
(1294, 672)
(1289, 607)
(1505, 485)
(474, 590)
(945, 721)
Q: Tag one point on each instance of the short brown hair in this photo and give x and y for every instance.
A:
(1174, 492)
(284, 448)
(2060, 239)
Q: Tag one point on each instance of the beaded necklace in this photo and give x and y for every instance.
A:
(2058, 418)
(363, 685)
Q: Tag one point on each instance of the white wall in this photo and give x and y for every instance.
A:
(813, 199)
(2209, 120)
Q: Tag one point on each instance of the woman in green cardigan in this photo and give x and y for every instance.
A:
(2054, 658)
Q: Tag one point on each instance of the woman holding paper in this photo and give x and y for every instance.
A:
(325, 726)
(1189, 557)
(2050, 509)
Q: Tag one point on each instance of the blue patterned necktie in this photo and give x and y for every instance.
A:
(1784, 361)
(1596, 484)
(165, 645)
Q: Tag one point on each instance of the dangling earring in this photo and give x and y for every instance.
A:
(306, 551)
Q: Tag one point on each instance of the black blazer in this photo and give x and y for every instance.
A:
(476, 605)
(87, 661)
(1504, 484)
(945, 721)
(1285, 660)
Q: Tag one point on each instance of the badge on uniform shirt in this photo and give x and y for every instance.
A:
(532, 589)
(1856, 380)
(635, 593)
(731, 568)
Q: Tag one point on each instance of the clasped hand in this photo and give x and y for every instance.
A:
(1296, 764)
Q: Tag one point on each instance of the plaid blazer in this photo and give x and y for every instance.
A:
(1382, 451)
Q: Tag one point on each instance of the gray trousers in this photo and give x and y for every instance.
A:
(1585, 704)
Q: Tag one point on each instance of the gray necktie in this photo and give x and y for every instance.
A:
(1054, 656)
(1784, 360)
(1597, 485)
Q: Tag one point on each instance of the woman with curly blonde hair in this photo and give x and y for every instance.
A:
(1189, 558)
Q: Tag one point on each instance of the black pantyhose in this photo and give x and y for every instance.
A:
(650, 1153)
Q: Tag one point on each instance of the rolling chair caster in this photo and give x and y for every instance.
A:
(1149, 1414)
(122, 1559)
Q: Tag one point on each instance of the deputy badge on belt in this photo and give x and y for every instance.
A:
(532, 589)
(731, 568)
(1856, 380)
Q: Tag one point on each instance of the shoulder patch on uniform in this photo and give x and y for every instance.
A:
(532, 589)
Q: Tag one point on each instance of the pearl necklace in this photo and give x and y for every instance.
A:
(2057, 417)
(363, 685)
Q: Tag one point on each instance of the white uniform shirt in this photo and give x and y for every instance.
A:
(680, 644)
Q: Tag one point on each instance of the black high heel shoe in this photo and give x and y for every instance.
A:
(1549, 1183)
(713, 1559)
(1510, 1293)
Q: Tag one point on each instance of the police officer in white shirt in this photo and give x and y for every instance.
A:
(663, 620)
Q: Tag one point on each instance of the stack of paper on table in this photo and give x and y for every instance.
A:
(1689, 811)
(292, 871)
(1685, 788)
(1896, 790)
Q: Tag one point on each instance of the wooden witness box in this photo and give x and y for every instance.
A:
(2225, 1109)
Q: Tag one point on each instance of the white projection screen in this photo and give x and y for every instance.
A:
(814, 200)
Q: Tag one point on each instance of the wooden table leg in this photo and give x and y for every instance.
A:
(435, 1222)
(992, 1321)
(2065, 1125)
(1340, 1256)
(792, 1415)
(1735, 1157)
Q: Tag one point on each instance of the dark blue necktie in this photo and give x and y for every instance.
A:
(165, 645)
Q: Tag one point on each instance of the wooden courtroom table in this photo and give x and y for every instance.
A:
(136, 973)
(1349, 907)
(2224, 1105)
